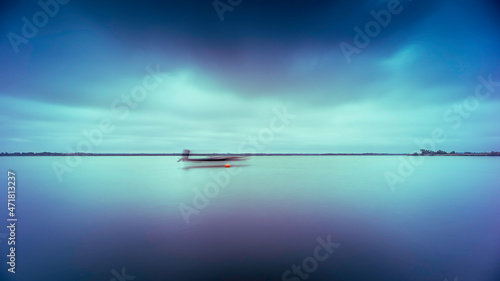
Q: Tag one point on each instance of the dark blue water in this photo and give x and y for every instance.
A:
(122, 216)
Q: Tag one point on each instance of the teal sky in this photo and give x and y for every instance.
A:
(219, 82)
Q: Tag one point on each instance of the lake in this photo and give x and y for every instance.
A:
(276, 218)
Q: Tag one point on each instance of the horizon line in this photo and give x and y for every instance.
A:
(45, 153)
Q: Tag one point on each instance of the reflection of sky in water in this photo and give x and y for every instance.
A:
(115, 212)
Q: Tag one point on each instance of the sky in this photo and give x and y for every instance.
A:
(249, 76)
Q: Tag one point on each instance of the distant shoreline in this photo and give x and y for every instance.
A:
(203, 154)
(31, 154)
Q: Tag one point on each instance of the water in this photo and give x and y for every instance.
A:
(122, 213)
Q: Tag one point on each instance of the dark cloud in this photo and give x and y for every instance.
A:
(92, 52)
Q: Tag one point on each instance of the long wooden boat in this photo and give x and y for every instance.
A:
(209, 161)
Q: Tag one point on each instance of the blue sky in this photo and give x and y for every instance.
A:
(219, 82)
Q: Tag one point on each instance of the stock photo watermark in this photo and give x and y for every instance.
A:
(310, 264)
(372, 29)
(121, 276)
(12, 220)
(253, 144)
(222, 7)
(221, 180)
(39, 19)
(120, 109)
(454, 116)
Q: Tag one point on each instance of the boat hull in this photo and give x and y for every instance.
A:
(191, 164)
(233, 161)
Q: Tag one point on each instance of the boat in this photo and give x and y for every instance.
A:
(209, 161)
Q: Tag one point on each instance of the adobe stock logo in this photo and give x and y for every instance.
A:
(372, 29)
(120, 110)
(50, 9)
(456, 115)
(310, 264)
(221, 180)
(221, 7)
(121, 277)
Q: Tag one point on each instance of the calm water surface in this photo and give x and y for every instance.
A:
(112, 213)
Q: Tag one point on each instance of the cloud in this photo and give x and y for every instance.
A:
(225, 78)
